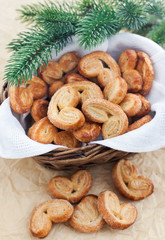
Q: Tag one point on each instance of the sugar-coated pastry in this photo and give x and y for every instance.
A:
(115, 90)
(131, 104)
(127, 60)
(52, 72)
(69, 61)
(74, 189)
(133, 79)
(21, 99)
(128, 183)
(116, 215)
(62, 111)
(38, 87)
(39, 109)
(144, 66)
(86, 90)
(43, 131)
(139, 123)
(56, 210)
(67, 139)
(86, 217)
(54, 87)
(74, 77)
(115, 121)
(145, 108)
(91, 65)
(88, 132)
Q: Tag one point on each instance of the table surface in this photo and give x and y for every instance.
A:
(24, 183)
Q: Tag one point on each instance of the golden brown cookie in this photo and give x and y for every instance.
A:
(42, 131)
(116, 90)
(54, 87)
(145, 108)
(86, 90)
(116, 215)
(127, 60)
(21, 99)
(62, 111)
(131, 104)
(38, 87)
(52, 72)
(69, 61)
(92, 65)
(128, 183)
(133, 79)
(74, 77)
(88, 132)
(115, 121)
(67, 139)
(72, 190)
(39, 109)
(86, 217)
(145, 68)
(139, 123)
(56, 210)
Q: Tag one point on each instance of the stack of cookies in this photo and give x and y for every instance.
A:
(73, 100)
(88, 213)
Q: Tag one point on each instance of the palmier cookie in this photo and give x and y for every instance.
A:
(115, 121)
(54, 87)
(145, 108)
(128, 183)
(92, 65)
(139, 123)
(62, 111)
(67, 139)
(133, 79)
(88, 132)
(144, 66)
(21, 99)
(42, 131)
(69, 61)
(86, 217)
(116, 215)
(56, 210)
(51, 72)
(74, 77)
(72, 190)
(127, 60)
(116, 90)
(39, 109)
(86, 90)
(38, 87)
(131, 104)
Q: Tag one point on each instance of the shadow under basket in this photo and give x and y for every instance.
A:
(69, 158)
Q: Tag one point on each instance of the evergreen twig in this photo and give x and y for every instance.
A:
(35, 48)
(157, 34)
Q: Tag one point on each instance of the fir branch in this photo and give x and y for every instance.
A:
(28, 12)
(98, 24)
(156, 8)
(35, 49)
(157, 34)
(132, 14)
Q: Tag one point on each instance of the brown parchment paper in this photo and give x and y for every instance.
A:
(24, 183)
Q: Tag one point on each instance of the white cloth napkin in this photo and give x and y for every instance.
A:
(14, 143)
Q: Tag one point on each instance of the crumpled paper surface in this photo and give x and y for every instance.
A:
(24, 185)
(23, 182)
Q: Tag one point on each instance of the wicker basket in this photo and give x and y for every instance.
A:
(67, 158)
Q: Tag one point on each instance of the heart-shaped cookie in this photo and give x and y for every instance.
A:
(57, 210)
(118, 216)
(86, 217)
(124, 175)
(72, 190)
